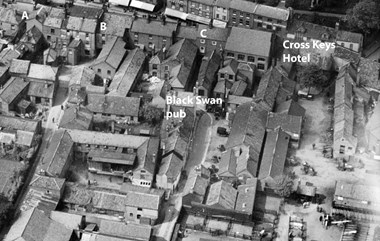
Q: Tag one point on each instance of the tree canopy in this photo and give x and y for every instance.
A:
(6, 209)
(283, 185)
(150, 114)
(312, 76)
(364, 16)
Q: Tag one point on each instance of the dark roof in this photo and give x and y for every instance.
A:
(195, 184)
(349, 37)
(347, 54)
(38, 89)
(313, 31)
(274, 155)
(209, 66)
(187, 32)
(260, 41)
(112, 53)
(76, 118)
(16, 123)
(268, 88)
(153, 27)
(288, 123)
(49, 183)
(176, 144)
(128, 72)
(112, 157)
(222, 195)
(147, 155)
(57, 154)
(85, 12)
(290, 107)
(248, 128)
(114, 105)
(12, 89)
(32, 36)
(171, 167)
(227, 165)
(143, 198)
(238, 87)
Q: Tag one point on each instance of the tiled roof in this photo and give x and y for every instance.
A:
(32, 36)
(85, 12)
(8, 15)
(274, 155)
(114, 105)
(349, 37)
(43, 72)
(222, 195)
(45, 182)
(117, 23)
(15, 123)
(171, 167)
(218, 34)
(81, 25)
(112, 53)
(313, 31)
(57, 154)
(156, 28)
(175, 144)
(227, 166)
(187, 32)
(195, 184)
(69, 220)
(19, 66)
(238, 87)
(246, 196)
(143, 200)
(288, 123)
(39, 89)
(291, 107)
(209, 66)
(245, 6)
(129, 231)
(126, 76)
(12, 89)
(268, 88)
(76, 118)
(58, 232)
(260, 42)
(347, 54)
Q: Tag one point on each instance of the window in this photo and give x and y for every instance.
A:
(87, 35)
(136, 35)
(261, 66)
(130, 214)
(259, 17)
(150, 36)
(251, 59)
(142, 171)
(163, 39)
(351, 46)
(109, 72)
(269, 27)
(269, 20)
(48, 37)
(261, 59)
(139, 209)
(154, 66)
(350, 148)
(224, 18)
(229, 54)
(247, 23)
(241, 21)
(241, 57)
(52, 31)
(259, 25)
(166, 67)
(13, 27)
(279, 21)
(201, 92)
(234, 12)
(202, 41)
(217, 16)
(222, 75)
(213, 43)
(87, 52)
(138, 216)
(231, 77)
(202, 49)
(99, 71)
(341, 149)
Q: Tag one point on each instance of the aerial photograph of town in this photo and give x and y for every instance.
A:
(189, 120)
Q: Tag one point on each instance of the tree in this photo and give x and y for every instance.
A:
(150, 114)
(364, 16)
(6, 210)
(312, 76)
(283, 185)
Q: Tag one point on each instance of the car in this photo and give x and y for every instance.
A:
(305, 95)
(222, 131)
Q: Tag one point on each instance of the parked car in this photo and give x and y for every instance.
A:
(305, 95)
(222, 131)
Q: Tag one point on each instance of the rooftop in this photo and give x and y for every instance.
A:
(129, 231)
(260, 41)
(117, 23)
(112, 53)
(44, 72)
(246, 196)
(113, 105)
(154, 27)
(12, 89)
(222, 195)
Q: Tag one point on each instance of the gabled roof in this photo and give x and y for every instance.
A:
(147, 155)
(8, 15)
(142, 197)
(248, 128)
(209, 66)
(12, 89)
(128, 231)
(288, 123)
(259, 45)
(117, 23)
(171, 166)
(19, 66)
(175, 144)
(274, 155)
(195, 184)
(81, 24)
(268, 88)
(76, 118)
(238, 87)
(246, 196)
(126, 76)
(347, 36)
(245, 6)
(58, 232)
(43, 72)
(272, 12)
(112, 53)
(218, 34)
(114, 105)
(187, 32)
(313, 31)
(13, 123)
(290, 107)
(222, 195)
(85, 12)
(32, 36)
(182, 51)
(49, 183)
(230, 66)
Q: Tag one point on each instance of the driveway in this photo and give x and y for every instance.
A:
(201, 142)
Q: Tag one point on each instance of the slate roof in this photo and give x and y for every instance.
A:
(8, 15)
(246, 196)
(272, 12)
(195, 184)
(69, 220)
(44, 72)
(175, 144)
(129, 231)
(291, 107)
(222, 195)
(349, 37)
(238, 100)
(12, 89)
(114, 105)
(82, 76)
(187, 32)
(260, 41)
(19, 66)
(238, 87)
(248, 128)
(81, 24)
(171, 166)
(218, 34)
(128, 71)
(85, 12)
(58, 232)
(38, 89)
(343, 91)
(245, 6)
(274, 155)
(313, 31)
(57, 154)
(288, 123)
(156, 28)
(227, 166)
(12, 123)
(147, 155)
(268, 88)
(112, 53)
(143, 199)
(76, 118)
(117, 23)
(347, 54)
(209, 67)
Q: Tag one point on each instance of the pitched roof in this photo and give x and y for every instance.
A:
(260, 41)
(81, 24)
(171, 167)
(114, 105)
(246, 196)
(219, 34)
(76, 118)
(209, 67)
(143, 198)
(274, 155)
(19, 66)
(238, 100)
(347, 54)
(12, 123)
(291, 107)
(222, 195)
(238, 87)
(69, 220)
(227, 166)
(187, 32)
(195, 184)
(39, 89)
(245, 6)
(289, 123)
(153, 27)
(57, 154)
(112, 53)
(8, 15)
(44, 72)
(313, 31)
(81, 75)
(369, 74)
(248, 128)
(272, 12)
(349, 36)
(12, 89)
(147, 155)
(50, 183)
(32, 36)
(130, 230)
(58, 232)
(268, 88)
(175, 144)
(85, 12)
(128, 72)
(343, 90)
